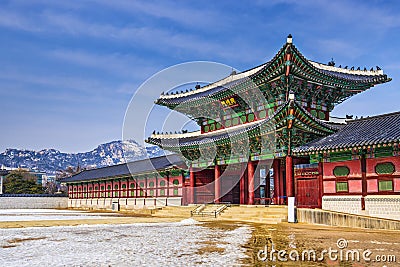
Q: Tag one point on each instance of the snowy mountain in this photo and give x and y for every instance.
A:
(51, 160)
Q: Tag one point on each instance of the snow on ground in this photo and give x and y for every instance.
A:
(47, 214)
(143, 244)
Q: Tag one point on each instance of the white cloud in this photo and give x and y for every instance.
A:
(60, 85)
(159, 39)
(10, 19)
(203, 17)
(339, 47)
(124, 65)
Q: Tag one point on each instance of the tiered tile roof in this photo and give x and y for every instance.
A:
(378, 130)
(128, 169)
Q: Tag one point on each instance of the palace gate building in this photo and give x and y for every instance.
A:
(267, 134)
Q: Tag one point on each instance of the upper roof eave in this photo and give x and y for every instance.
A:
(361, 79)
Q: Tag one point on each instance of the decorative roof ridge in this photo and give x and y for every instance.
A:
(347, 71)
(222, 82)
(379, 116)
(314, 65)
(176, 135)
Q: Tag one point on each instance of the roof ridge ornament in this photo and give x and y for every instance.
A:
(289, 39)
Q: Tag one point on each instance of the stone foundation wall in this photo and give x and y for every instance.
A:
(331, 218)
(347, 204)
(124, 203)
(380, 206)
(383, 206)
(33, 202)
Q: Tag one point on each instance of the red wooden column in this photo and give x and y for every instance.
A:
(145, 188)
(93, 192)
(364, 180)
(250, 175)
(167, 178)
(289, 177)
(156, 184)
(320, 183)
(242, 185)
(184, 194)
(217, 183)
(192, 186)
(128, 189)
(119, 188)
(137, 188)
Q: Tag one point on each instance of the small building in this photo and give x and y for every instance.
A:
(3, 173)
(150, 182)
(41, 177)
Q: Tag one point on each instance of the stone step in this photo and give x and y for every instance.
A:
(259, 208)
(248, 213)
(265, 221)
(265, 208)
(268, 215)
(171, 211)
(255, 212)
(233, 216)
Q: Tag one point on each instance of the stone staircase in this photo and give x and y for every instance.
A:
(245, 213)
(211, 210)
(255, 213)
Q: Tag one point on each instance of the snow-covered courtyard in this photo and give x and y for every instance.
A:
(48, 214)
(184, 243)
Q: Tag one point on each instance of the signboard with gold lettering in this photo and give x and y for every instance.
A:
(229, 102)
(306, 173)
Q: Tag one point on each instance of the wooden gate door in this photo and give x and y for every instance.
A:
(307, 193)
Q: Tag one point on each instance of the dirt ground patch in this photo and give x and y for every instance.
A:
(300, 237)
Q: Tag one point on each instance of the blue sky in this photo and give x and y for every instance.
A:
(69, 68)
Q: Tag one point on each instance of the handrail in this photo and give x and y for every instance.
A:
(214, 213)
(197, 209)
(220, 209)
